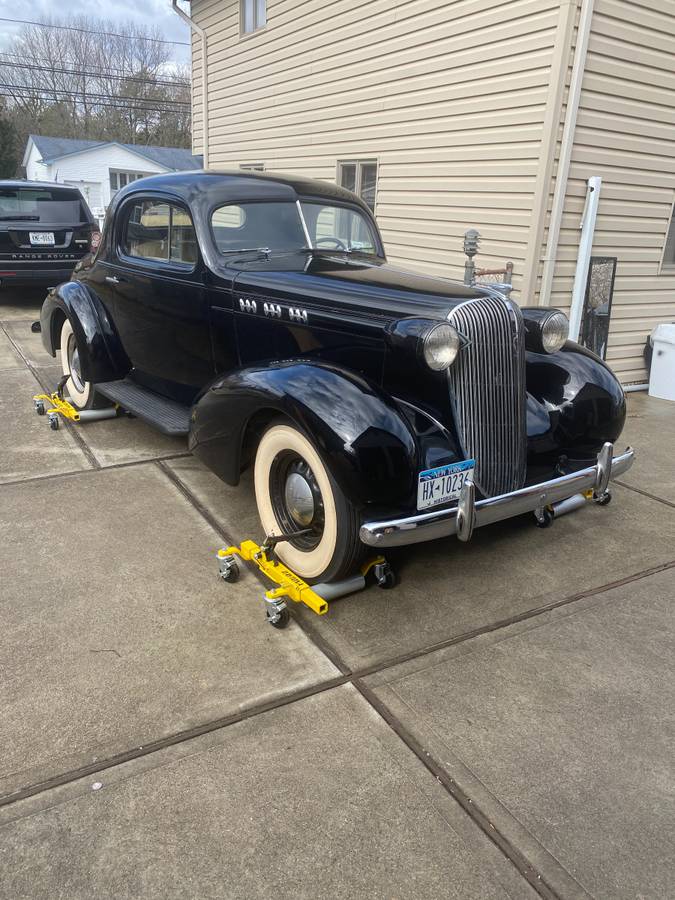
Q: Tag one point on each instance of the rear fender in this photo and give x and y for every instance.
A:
(362, 437)
(101, 355)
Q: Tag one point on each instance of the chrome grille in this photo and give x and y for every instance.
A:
(487, 385)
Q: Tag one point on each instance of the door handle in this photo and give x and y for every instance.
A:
(112, 279)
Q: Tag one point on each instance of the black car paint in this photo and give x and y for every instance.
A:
(364, 317)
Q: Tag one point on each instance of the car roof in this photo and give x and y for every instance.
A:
(238, 185)
(20, 183)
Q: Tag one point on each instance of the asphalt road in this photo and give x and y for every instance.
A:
(500, 725)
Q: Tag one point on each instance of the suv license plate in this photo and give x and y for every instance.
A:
(42, 238)
(436, 486)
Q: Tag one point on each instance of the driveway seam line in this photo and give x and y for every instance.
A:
(77, 437)
(112, 467)
(522, 865)
(517, 859)
(638, 490)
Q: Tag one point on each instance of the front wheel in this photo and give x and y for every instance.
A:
(295, 492)
(81, 393)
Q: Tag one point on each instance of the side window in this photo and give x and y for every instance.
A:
(158, 230)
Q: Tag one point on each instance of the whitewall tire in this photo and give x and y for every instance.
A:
(81, 393)
(295, 492)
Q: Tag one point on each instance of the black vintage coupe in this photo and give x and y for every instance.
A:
(258, 315)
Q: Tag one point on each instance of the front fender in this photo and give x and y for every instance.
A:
(575, 403)
(360, 434)
(101, 355)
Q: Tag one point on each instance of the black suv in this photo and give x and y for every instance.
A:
(45, 229)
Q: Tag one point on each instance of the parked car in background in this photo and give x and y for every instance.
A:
(45, 230)
(258, 315)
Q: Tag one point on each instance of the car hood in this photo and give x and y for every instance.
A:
(372, 285)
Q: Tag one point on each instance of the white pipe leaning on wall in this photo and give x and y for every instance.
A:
(566, 145)
(205, 68)
(584, 255)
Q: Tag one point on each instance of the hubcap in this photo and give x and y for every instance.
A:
(296, 499)
(74, 365)
(299, 498)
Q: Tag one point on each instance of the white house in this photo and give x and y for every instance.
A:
(100, 168)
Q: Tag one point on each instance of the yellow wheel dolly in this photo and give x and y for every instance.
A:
(290, 585)
(55, 405)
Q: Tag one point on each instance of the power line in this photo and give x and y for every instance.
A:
(90, 31)
(35, 59)
(89, 74)
(81, 96)
(151, 105)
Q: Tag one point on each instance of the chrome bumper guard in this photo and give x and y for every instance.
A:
(469, 514)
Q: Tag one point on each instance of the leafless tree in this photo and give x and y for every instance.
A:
(101, 79)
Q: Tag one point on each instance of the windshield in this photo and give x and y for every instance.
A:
(41, 205)
(279, 227)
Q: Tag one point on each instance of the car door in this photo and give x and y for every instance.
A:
(159, 299)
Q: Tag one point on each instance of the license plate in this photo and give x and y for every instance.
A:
(42, 237)
(436, 486)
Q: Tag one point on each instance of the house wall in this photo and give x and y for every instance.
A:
(625, 133)
(457, 102)
(90, 167)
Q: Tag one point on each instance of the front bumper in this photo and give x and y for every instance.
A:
(470, 514)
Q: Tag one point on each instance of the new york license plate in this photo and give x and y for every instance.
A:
(436, 486)
(41, 238)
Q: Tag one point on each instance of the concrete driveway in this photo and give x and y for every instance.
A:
(500, 725)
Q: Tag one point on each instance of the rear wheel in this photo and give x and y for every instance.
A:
(81, 393)
(295, 492)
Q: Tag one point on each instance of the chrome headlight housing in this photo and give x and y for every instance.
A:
(555, 329)
(440, 346)
(546, 328)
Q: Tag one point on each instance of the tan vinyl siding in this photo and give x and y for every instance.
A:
(451, 99)
(626, 134)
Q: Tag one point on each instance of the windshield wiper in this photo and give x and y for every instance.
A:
(265, 250)
(19, 218)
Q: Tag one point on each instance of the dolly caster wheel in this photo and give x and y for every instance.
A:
(385, 576)
(40, 407)
(278, 618)
(603, 499)
(544, 517)
(54, 422)
(230, 573)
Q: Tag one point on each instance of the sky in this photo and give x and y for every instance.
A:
(145, 12)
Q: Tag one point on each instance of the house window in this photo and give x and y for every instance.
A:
(252, 167)
(669, 249)
(360, 177)
(253, 15)
(122, 179)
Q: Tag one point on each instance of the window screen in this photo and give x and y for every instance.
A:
(360, 177)
(253, 15)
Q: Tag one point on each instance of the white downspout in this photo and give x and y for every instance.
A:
(205, 68)
(566, 145)
(584, 255)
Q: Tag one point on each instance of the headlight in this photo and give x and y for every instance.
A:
(554, 331)
(441, 346)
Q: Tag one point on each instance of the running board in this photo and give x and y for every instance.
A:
(163, 414)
